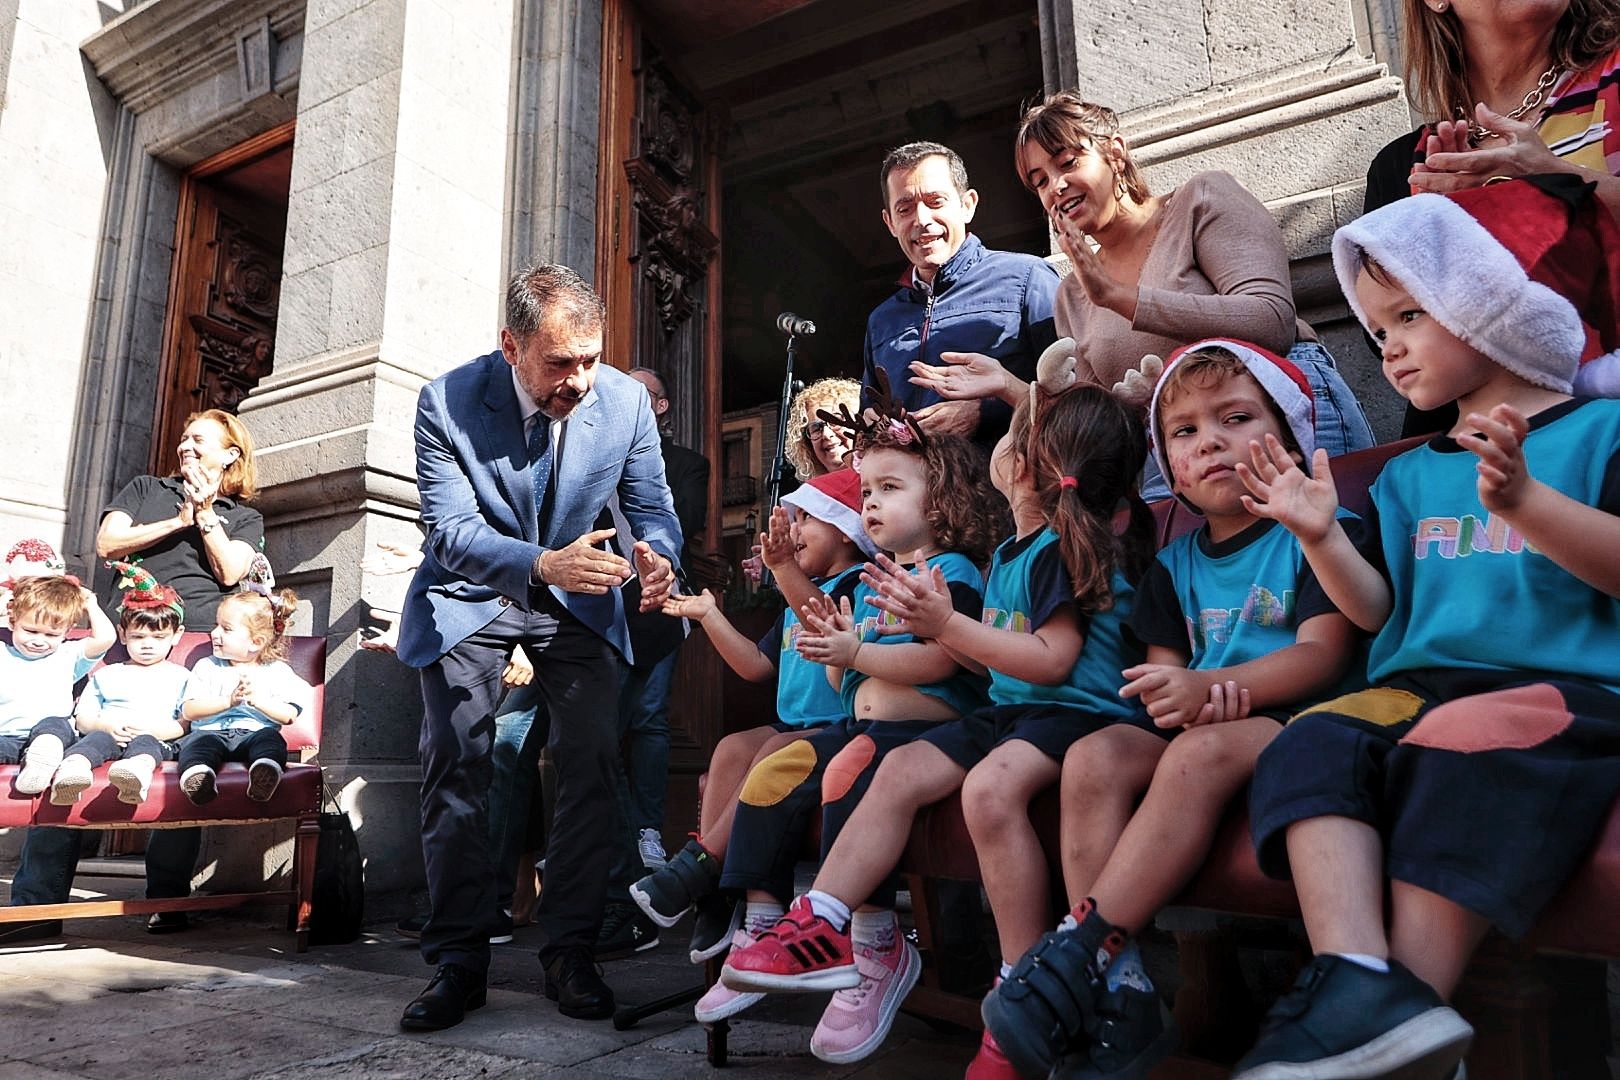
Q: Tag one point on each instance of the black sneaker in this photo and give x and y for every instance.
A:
(168, 922)
(1343, 1021)
(625, 932)
(411, 926)
(667, 894)
(1132, 1032)
(718, 917)
(15, 933)
(1050, 1002)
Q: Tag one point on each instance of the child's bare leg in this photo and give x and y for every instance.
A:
(995, 801)
(1170, 834)
(728, 769)
(1338, 870)
(870, 845)
(1432, 936)
(1103, 774)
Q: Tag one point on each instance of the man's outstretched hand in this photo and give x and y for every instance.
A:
(657, 575)
(583, 567)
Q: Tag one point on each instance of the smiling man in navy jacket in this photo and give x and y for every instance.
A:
(517, 453)
(956, 296)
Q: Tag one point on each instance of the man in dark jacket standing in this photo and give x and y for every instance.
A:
(957, 296)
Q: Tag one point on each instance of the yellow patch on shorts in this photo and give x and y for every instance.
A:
(771, 780)
(846, 767)
(1382, 705)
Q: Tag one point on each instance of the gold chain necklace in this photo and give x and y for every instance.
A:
(1479, 133)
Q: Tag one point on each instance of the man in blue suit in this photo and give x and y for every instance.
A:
(517, 454)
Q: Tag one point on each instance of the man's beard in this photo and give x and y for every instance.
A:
(559, 407)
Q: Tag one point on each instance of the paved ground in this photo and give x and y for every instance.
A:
(230, 999)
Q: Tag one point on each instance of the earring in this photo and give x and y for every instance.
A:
(1439, 8)
(1120, 188)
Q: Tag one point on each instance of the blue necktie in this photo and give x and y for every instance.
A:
(540, 457)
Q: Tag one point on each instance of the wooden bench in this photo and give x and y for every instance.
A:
(298, 798)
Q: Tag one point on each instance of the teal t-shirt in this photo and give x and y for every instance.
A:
(1026, 584)
(965, 690)
(804, 697)
(1468, 591)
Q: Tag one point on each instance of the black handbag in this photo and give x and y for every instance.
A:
(338, 906)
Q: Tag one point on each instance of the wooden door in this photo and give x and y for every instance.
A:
(224, 289)
(658, 269)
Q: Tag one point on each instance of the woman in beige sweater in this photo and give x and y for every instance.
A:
(1204, 260)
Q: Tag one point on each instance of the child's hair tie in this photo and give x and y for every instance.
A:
(1068, 481)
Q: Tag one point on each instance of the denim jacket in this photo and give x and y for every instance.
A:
(994, 302)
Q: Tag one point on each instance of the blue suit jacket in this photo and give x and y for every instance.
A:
(477, 488)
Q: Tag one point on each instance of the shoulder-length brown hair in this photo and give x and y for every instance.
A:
(1437, 69)
(964, 510)
(240, 479)
(1066, 121)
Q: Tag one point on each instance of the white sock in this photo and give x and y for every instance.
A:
(829, 907)
(1126, 970)
(761, 915)
(874, 929)
(1372, 963)
(1006, 972)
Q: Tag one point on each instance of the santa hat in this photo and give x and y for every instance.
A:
(142, 591)
(1284, 383)
(1526, 271)
(30, 558)
(836, 499)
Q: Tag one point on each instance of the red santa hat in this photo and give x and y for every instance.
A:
(1526, 271)
(1281, 381)
(836, 499)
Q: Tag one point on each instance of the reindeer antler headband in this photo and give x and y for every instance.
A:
(884, 418)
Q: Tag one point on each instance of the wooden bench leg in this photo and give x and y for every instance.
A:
(1217, 1016)
(715, 1033)
(306, 846)
(1508, 1002)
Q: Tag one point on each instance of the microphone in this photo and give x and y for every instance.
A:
(793, 326)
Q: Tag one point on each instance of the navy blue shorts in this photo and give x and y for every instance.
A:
(1049, 728)
(1487, 789)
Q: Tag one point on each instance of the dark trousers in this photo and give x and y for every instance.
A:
(99, 747)
(215, 748)
(12, 746)
(577, 673)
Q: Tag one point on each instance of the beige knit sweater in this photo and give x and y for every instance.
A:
(1216, 269)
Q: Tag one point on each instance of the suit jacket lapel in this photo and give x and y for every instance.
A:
(503, 433)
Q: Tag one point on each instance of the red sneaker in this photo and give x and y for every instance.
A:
(990, 1063)
(801, 952)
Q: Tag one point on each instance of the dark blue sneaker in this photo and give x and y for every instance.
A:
(1132, 1033)
(1342, 1021)
(1049, 1004)
(666, 895)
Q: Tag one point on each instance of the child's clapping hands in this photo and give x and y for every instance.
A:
(829, 635)
(919, 598)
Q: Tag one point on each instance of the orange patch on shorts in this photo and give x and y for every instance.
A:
(1514, 719)
(1382, 705)
(846, 767)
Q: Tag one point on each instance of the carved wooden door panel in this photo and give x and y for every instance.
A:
(221, 323)
(658, 268)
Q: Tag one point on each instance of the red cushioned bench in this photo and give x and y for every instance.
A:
(297, 798)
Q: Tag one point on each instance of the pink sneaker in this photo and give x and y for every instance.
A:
(722, 1002)
(858, 1020)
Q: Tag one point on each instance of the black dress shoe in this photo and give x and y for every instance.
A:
(32, 930)
(454, 992)
(168, 922)
(575, 983)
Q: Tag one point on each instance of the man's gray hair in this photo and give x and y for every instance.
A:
(663, 387)
(912, 154)
(548, 290)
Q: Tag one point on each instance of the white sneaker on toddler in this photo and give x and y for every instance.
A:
(264, 776)
(132, 777)
(39, 764)
(72, 778)
(722, 1002)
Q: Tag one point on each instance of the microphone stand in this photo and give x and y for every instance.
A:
(781, 468)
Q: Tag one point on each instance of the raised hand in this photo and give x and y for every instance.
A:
(829, 635)
(1504, 478)
(242, 693)
(387, 559)
(949, 417)
(583, 567)
(962, 375)
(697, 608)
(776, 547)
(920, 599)
(1306, 506)
(1516, 149)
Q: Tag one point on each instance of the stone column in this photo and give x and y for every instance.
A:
(392, 275)
(1279, 93)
